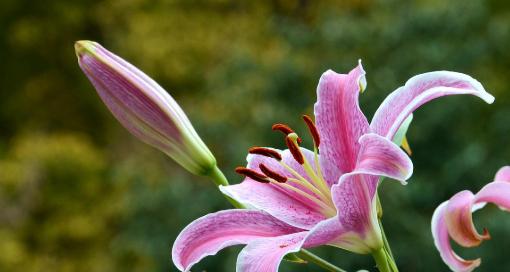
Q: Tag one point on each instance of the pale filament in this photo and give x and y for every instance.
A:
(327, 209)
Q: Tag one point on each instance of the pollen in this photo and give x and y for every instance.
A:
(290, 140)
(313, 130)
(265, 152)
(285, 129)
(252, 174)
(272, 174)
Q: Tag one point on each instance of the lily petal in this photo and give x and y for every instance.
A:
(281, 203)
(419, 90)
(454, 219)
(442, 242)
(503, 174)
(354, 198)
(354, 194)
(339, 121)
(380, 156)
(459, 220)
(265, 255)
(213, 232)
(497, 192)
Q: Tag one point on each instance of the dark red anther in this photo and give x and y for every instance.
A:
(294, 150)
(265, 152)
(313, 130)
(270, 173)
(252, 174)
(285, 130)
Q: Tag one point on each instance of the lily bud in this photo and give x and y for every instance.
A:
(144, 108)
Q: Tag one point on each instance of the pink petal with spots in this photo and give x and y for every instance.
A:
(213, 232)
(281, 203)
(339, 121)
(265, 255)
(354, 198)
(380, 156)
(419, 90)
(354, 194)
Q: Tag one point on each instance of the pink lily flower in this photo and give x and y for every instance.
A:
(301, 198)
(453, 219)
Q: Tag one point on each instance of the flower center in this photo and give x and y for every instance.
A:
(313, 187)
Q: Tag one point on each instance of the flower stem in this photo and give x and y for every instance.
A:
(310, 257)
(387, 251)
(386, 246)
(219, 179)
(381, 260)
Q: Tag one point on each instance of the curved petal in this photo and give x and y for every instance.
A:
(265, 255)
(380, 156)
(354, 194)
(281, 203)
(354, 198)
(442, 242)
(419, 90)
(332, 233)
(459, 220)
(339, 121)
(213, 232)
(497, 192)
(503, 174)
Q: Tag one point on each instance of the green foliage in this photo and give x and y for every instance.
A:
(105, 202)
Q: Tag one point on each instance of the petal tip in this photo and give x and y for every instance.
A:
(488, 98)
(82, 47)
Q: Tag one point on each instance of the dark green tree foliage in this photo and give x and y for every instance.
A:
(78, 193)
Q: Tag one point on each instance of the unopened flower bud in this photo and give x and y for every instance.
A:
(144, 108)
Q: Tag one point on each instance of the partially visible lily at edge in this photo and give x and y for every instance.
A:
(300, 198)
(453, 219)
(145, 109)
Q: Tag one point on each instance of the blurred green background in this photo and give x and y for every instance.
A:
(79, 193)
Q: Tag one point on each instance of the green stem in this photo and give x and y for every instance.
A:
(387, 250)
(310, 257)
(386, 245)
(381, 260)
(219, 179)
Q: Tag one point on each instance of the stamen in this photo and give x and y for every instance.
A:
(313, 130)
(252, 174)
(265, 152)
(284, 129)
(294, 149)
(300, 158)
(270, 173)
(328, 210)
